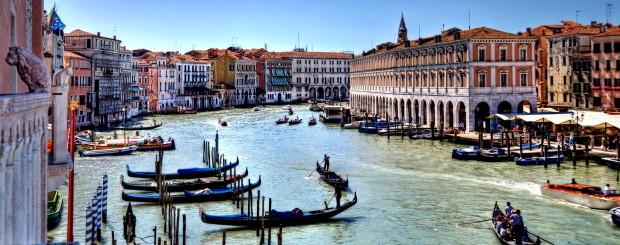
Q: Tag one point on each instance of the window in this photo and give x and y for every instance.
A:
(617, 101)
(596, 81)
(87, 43)
(523, 76)
(563, 60)
(616, 82)
(563, 80)
(482, 79)
(596, 48)
(550, 61)
(608, 65)
(607, 47)
(503, 78)
(502, 54)
(551, 97)
(551, 81)
(596, 101)
(523, 54)
(481, 54)
(564, 95)
(597, 66)
(608, 82)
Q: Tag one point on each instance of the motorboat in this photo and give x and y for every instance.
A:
(107, 152)
(586, 195)
(469, 153)
(258, 108)
(538, 160)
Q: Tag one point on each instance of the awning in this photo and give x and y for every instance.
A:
(136, 88)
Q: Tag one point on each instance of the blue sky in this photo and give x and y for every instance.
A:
(322, 25)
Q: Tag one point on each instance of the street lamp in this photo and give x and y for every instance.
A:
(577, 118)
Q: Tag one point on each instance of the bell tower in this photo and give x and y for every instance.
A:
(402, 30)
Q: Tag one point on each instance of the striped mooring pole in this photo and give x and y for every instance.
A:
(105, 197)
(89, 226)
(99, 211)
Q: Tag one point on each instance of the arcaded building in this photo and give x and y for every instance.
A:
(456, 76)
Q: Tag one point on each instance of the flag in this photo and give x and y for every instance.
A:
(55, 23)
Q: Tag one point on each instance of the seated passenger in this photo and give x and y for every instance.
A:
(607, 191)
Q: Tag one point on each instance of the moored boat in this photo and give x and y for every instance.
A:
(183, 186)
(258, 108)
(107, 152)
(286, 107)
(204, 195)
(143, 143)
(586, 195)
(315, 107)
(469, 153)
(141, 127)
(611, 162)
(184, 173)
(331, 114)
(287, 218)
(353, 125)
(493, 154)
(331, 178)
(54, 208)
(507, 240)
(538, 160)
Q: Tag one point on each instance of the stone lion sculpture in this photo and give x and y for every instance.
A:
(61, 77)
(31, 69)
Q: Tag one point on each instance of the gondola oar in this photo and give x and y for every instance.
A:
(317, 162)
(540, 238)
(473, 222)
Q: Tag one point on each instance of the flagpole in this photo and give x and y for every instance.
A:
(72, 106)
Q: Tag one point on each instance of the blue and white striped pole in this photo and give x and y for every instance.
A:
(99, 211)
(105, 197)
(95, 205)
(89, 226)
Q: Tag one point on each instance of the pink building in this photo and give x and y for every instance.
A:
(606, 71)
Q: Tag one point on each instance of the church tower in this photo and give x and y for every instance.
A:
(402, 30)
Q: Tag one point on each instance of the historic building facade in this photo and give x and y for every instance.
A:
(458, 76)
(80, 90)
(109, 83)
(168, 88)
(319, 75)
(278, 78)
(143, 83)
(195, 79)
(245, 81)
(606, 71)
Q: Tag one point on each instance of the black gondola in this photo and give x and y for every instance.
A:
(198, 196)
(184, 173)
(508, 240)
(182, 186)
(331, 177)
(288, 218)
(142, 127)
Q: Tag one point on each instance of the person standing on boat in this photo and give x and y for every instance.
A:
(154, 122)
(508, 208)
(326, 161)
(516, 222)
(338, 195)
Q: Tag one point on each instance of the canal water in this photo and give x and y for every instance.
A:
(409, 191)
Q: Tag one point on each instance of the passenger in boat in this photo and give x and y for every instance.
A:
(298, 212)
(516, 224)
(326, 161)
(607, 190)
(504, 230)
(508, 208)
(573, 181)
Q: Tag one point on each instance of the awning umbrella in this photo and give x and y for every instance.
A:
(498, 116)
(604, 125)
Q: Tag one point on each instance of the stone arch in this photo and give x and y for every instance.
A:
(441, 114)
(416, 109)
(450, 109)
(525, 107)
(462, 113)
(504, 107)
(409, 110)
(424, 114)
(481, 112)
(433, 115)
(320, 93)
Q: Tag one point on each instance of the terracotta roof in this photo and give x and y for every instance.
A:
(314, 55)
(70, 54)
(79, 33)
(270, 55)
(184, 57)
(615, 32)
(485, 32)
(568, 28)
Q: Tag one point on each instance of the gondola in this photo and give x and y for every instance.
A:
(331, 177)
(182, 186)
(222, 123)
(288, 218)
(282, 120)
(493, 155)
(142, 127)
(205, 195)
(184, 173)
(312, 121)
(538, 160)
(295, 121)
(509, 241)
(107, 152)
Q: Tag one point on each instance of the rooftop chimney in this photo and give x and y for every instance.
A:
(529, 31)
(114, 37)
(98, 34)
(593, 23)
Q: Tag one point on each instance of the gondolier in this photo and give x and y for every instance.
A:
(338, 195)
(326, 161)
